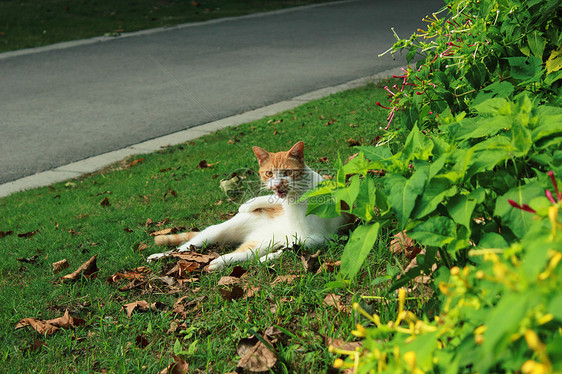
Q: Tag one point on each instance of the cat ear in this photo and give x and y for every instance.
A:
(297, 151)
(261, 154)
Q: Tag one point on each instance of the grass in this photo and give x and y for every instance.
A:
(34, 23)
(70, 223)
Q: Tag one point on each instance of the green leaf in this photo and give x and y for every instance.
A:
(366, 200)
(375, 153)
(554, 62)
(460, 209)
(357, 248)
(437, 231)
(492, 240)
(519, 221)
(526, 69)
(536, 42)
(434, 193)
(402, 193)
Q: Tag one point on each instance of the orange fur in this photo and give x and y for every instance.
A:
(272, 212)
(174, 239)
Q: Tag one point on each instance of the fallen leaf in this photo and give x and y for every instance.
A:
(322, 159)
(37, 345)
(179, 366)
(161, 232)
(5, 233)
(284, 279)
(136, 306)
(28, 260)
(60, 265)
(403, 244)
(311, 262)
(171, 193)
(334, 300)
(235, 292)
(182, 268)
(141, 246)
(258, 359)
(204, 165)
(141, 341)
(352, 142)
(138, 273)
(51, 326)
(195, 257)
(133, 163)
(329, 266)
(126, 229)
(105, 202)
(227, 280)
(88, 269)
(28, 234)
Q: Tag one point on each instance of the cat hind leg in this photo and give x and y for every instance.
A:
(243, 253)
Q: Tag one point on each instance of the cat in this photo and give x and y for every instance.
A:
(265, 225)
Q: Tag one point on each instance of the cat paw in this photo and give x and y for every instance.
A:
(216, 264)
(156, 256)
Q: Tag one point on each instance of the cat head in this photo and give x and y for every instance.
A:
(283, 172)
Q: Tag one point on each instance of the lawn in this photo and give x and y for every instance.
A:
(111, 214)
(34, 23)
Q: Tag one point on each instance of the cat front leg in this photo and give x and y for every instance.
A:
(244, 253)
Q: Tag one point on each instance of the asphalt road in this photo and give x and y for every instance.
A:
(60, 105)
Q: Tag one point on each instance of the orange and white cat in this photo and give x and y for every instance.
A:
(265, 225)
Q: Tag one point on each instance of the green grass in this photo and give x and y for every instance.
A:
(70, 223)
(34, 23)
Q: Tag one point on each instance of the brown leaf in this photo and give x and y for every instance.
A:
(5, 233)
(136, 306)
(88, 269)
(311, 262)
(133, 163)
(403, 244)
(227, 280)
(204, 165)
(162, 232)
(334, 300)
(126, 229)
(37, 345)
(235, 292)
(51, 326)
(258, 359)
(179, 366)
(352, 142)
(195, 257)
(138, 273)
(322, 159)
(141, 341)
(28, 260)
(141, 247)
(28, 234)
(183, 268)
(329, 266)
(105, 202)
(284, 279)
(171, 193)
(60, 265)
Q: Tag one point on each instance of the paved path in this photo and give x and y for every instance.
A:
(69, 102)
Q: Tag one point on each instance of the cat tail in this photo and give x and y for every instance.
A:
(174, 239)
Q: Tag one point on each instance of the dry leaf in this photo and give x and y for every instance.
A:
(403, 244)
(138, 273)
(88, 269)
(195, 257)
(141, 247)
(329, 266)
(51, 326)
(134, 162)
(235, 292)
(284, 279)
(204, 165)
(311, 262)
(28, 234)
(227, 280)
(5, 233)
(352, 142)
(258, 359)
(179, 366)
(37, 345)
(162, 232)
(141, 341)
(334, 300)
(105, 202)
(28, 260)
(136, 306)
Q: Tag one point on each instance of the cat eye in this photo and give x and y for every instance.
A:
(288, 173)
(269, 174)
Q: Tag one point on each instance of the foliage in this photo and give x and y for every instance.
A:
(479, 116)
(502, 315)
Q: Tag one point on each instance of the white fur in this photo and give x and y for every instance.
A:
(271, 234)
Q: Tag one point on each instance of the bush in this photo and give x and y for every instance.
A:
(479, 116)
